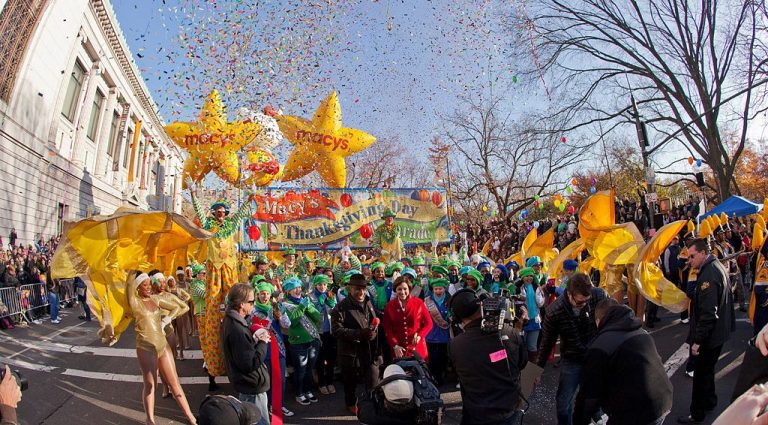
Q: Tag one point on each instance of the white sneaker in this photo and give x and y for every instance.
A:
(685, 320)
(302, 400)
(286, 412)
(690, 374)
(56, 322)
(324, 390)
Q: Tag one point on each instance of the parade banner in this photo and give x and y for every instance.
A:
(322, 218)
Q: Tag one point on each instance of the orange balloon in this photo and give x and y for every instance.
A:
(690, 160)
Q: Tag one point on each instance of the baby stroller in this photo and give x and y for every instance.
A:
(425, 407)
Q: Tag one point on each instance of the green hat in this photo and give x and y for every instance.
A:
(322, 263)
(258, 279)
(392, 267)
(320, 279)
(388, 213)
(291, 283)
(453, 263)
(289, 250)
(418, 261)
(528, 271)
(265, 286)
(440, 269)
(260, 259)
(378, 264)
(438, 282)
(476, 275)
(349, 274)
(220, 203)
(197, 268)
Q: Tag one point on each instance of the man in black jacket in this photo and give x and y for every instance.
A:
(244, 353)
(488, 366)
(352, 324)
(623, 373)
(712, 319)
(570, 317)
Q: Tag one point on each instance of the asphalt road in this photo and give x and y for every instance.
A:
(74, 379)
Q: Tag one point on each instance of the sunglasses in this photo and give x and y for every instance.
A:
(251, 301)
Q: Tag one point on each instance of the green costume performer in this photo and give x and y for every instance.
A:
(221, 264)
(387, 239)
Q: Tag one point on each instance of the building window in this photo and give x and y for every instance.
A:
(93, 124)
(113, 136)
(73, 91)
(128, 144)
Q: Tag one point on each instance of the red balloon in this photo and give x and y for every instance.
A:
(366, 231)
(571, 209)
(437, 199)
(346, 200)
(254, 232)
(423, 195)
(563, 139)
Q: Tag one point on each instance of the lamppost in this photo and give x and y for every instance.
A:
(650, 177)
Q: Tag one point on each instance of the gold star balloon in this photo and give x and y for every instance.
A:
(321, 144)
(212, 142)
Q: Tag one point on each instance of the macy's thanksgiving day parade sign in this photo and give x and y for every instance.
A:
(323, 218)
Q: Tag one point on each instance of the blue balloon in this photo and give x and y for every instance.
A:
(536, 224)
(698, 163)
(592, 189)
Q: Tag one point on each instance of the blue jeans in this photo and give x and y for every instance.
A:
(260, 400)
(532, 340)
(53, 302)
(570, 375)
(304, 357)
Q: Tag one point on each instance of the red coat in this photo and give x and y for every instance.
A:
(401, 325)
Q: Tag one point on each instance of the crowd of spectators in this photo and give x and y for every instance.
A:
(25, 264)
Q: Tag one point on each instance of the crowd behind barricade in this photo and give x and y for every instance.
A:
(27, 292)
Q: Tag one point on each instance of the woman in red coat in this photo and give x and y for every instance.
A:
(406, 322)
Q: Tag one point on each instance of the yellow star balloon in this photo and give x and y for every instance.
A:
(212, 142)
(321, 144)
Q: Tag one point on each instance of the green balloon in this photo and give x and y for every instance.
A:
(541, 206)
(514, 78)
(536, 197)
(562, 207)
(568, 189)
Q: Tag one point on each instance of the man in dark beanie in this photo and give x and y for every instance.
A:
(227, 410)
(488, 365)
(355, 326)
(622, 373)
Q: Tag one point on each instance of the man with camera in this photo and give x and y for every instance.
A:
(10, 396)
(488, 365)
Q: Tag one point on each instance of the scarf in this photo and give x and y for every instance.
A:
(433, 306)
(321, 297)
(530, 295)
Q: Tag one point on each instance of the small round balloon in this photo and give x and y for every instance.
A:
(571, 209)
(698, 163)
(594, 181)
(562, 207)
(366, 231)
(254, 232)
(535, 224)
(690, 160)
(592, 189)
(568, 189)
(541, 206)
(536, 197)
(346, 200)
(437, 199)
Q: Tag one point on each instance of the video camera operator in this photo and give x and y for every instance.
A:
(488, 363)
(10, 396)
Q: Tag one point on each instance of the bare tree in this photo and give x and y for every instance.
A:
(503, 164)
(694, 66)
(388, 162)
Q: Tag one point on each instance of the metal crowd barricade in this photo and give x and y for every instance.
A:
(67, 292)
(19, 303)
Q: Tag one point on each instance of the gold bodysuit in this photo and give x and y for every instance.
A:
(149, 332)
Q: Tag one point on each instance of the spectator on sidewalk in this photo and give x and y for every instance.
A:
(53, 300)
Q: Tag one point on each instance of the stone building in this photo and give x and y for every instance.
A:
(79, 131)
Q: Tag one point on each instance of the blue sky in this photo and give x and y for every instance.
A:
(397, 65)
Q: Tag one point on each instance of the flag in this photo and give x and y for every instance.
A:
(650, 279)
(611, 243)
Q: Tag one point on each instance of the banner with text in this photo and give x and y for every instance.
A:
(323, 218)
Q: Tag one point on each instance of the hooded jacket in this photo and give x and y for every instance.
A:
(623, 374)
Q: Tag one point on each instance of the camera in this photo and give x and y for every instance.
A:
(21, 380)
(494, 310)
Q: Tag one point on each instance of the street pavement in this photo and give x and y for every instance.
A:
(73, 378)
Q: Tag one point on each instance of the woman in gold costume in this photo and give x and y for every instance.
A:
(151, 314)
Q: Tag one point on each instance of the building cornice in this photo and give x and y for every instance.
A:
(117, 43)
